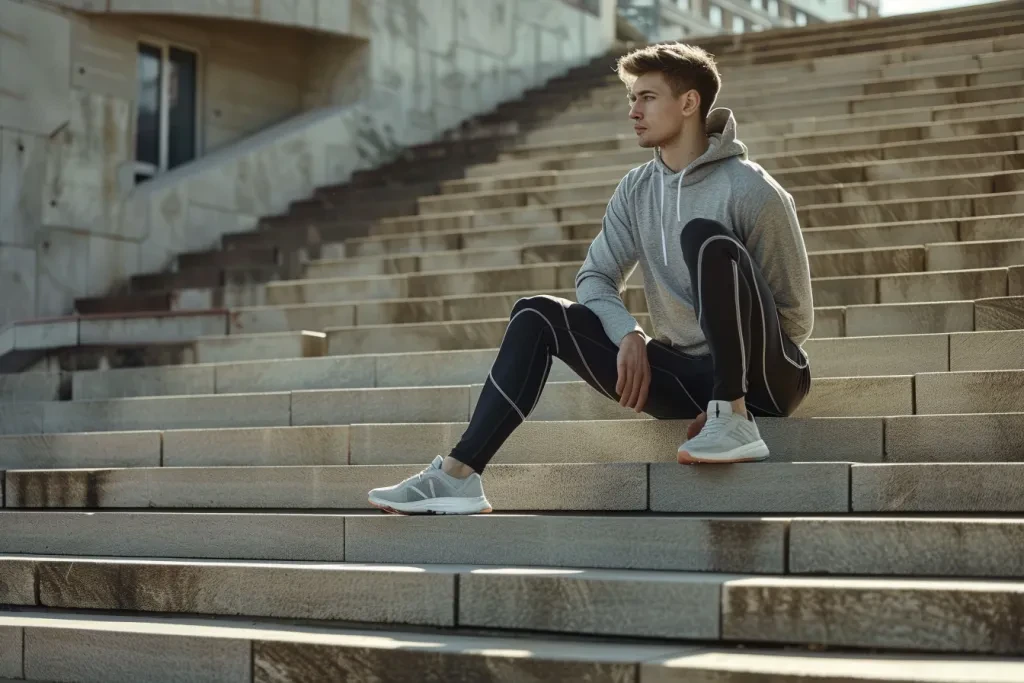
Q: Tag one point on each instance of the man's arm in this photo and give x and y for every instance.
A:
(610, 261)
(777, 244)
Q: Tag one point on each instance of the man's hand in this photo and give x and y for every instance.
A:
(634, 372)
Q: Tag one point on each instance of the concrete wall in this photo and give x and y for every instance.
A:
(374, 76)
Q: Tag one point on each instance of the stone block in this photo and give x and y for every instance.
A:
(37, 94)
(867, 262)
(937, 487)
(21, 418)
(996, 350)
(829, 322)
(291, 318)
(193, 412)
(56, 334)
(384, 656)
(23, 174)
(271, 345)
(734, 666)
(330, 372)
(17, 588)
(435, 369)
(1001, 313)
(339, 592)
(335, 291)
(858, 397)
(6, 340)
(183, 380)
(956, 393)
(679, 543)
(61, 451)
(994, 437)
(146, 330)
(844, 291)
(932, 615)
(906, 547)
(12, 647)
(989, 228)
(751, 487)
(790, 439)
(413, 337)
(1015, 285)
(256, 447)
(592, 601)
(221, 535)
(351, 406)
(61, 270)
(974, 255)
(56, 654)
(889, 355)
(943, 286)
(30, 386)
(909, 318)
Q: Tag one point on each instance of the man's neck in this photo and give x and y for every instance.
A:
(684, 150)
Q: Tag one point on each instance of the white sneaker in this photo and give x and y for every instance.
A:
(727, 437)
(433, 492)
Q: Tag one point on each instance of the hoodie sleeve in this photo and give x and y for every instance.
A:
(777, 244)
(610, 261)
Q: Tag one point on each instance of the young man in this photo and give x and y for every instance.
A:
(727, 283)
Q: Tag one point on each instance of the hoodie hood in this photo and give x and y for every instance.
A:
(720, 128)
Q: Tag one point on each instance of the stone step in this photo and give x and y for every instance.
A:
(969, 392)
(804, 184)
(984, 144)
(269, 345)
(882, 613)
(771, 487)
(30, 386)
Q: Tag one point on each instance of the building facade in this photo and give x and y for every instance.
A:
(134, 130)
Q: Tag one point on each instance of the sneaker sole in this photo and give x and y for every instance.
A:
(752, 452)
(440, 506)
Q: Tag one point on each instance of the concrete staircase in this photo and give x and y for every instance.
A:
(203, 516)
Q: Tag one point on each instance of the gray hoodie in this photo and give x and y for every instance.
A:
(645, 218)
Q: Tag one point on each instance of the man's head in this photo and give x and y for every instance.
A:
(671, 90)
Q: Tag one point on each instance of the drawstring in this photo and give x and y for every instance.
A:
(661, 213)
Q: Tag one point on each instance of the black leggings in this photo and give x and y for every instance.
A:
(750, 356)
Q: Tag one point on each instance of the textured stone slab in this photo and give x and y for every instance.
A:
(151, 330)
(272, 345)
(845, 291)
(592, 601)
(12, 647)
(193, 412)
(1015, 286)
(334, 291)
(48, 451)
(445, 336)
(611, 486)
(330, 372)
(270, 446)
(55, 654)
(30, 386)
(907, 547)
(56, 334)
(409, 404)
(938, 487)
(942, 286)
(300, 591)
(750, 487)
(912, 318)
(629, 541)
(996, 437)
(1003, 313)
(954, 393)
(778, 666)
(443, 657)
(968, 255)
(872, 356)
(790, 439)
(858, 397)
(926, 615)
(21, 418)
(447, 368)
(221, 535)
(866, 261)
(135, 382)
(285, 318)
(829, 322)
(17, 588)
(987, 350)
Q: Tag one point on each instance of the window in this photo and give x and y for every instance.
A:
(715, 16)
(773, 7)
(166, 131)
(737, 24)
(801, 18)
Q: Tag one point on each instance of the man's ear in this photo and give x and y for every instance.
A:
(691, 102)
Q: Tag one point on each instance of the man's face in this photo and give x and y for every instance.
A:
(658, 116)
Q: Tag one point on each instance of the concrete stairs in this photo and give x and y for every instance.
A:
(195, 509)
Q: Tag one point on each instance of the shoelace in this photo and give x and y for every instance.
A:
(712, 427)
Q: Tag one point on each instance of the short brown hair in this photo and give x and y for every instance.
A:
(685, 67)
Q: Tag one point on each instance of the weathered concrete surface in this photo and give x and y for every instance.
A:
(937, 487)
(258, 446)
(687, 543)
(55, 451)
(136, 382)
(993, 437)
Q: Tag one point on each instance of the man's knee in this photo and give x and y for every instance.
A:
(547, 306)
(698, 234)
